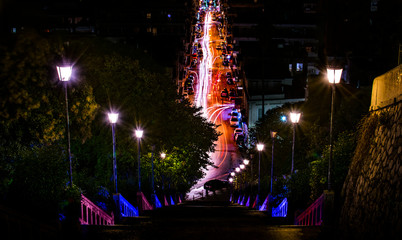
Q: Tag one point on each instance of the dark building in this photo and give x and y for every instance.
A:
(282, 43)
(156, 26)
(279, 44)
(365, 34)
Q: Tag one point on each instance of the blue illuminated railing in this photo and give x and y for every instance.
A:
(281, 210)
(312, 215)
(93, 215)
(126, 209)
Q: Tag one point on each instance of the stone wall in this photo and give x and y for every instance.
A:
(372, 190)
(387, 89)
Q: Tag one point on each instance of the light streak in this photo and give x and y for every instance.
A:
(203, 85)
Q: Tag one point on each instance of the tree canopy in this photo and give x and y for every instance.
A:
(106, 77)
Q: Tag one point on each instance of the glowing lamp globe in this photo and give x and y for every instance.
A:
(113, 117)
(139, 133)
(334, 75)
(64, 73)
(295, 117)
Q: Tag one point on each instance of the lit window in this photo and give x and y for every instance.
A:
(148, 15)
(374, 5)
(299, 67)
(149, 29)
(154, 31)
(290, 67)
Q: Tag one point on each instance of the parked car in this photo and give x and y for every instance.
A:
(215, 184)
(234, 111)
(232, 93)
(237, 131)
(225, 93)
(234, 121)
(240, 140)
(190, 91)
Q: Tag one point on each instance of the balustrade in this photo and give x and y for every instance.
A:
(126, 209)
(281, 210)
(312, 216)
(93, 215)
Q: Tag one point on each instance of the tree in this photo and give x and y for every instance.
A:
(145, 97)
(32, 111)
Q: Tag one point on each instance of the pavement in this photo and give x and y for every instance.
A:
(212, 217)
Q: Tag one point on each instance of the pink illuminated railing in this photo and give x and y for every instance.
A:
(312, 216)
(143, 202)
(93, 215)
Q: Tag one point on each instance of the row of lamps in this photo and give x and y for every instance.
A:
(334, 77)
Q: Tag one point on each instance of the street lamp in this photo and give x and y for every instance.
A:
(273, 135)
(113, 119)
(260, 147)
(152, 175)
(246, 162)
(242, 166)
(138, 134)
(232, 174)
(237, 169)
(64, 73)
(163, 156)
(294, 118)
(334, 77)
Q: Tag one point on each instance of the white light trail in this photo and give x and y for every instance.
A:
(218, 111)
(205, 64)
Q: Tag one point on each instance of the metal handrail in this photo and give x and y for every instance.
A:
(126, 208)
(93, 215)
(281, 210)
(312, 216)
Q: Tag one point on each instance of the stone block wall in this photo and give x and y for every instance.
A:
(387, 89)
(372, 190)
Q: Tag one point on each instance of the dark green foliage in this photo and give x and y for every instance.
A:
(107, 76)
(38, 182)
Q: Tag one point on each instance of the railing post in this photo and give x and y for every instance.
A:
(116, 198)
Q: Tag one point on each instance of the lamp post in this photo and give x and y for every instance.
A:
(113, 119)
(64, 73)
(260, 147)
(334, 77)
(294, 118)
(163, 156)
(273, 135)
(152, 175)
(138, 134)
